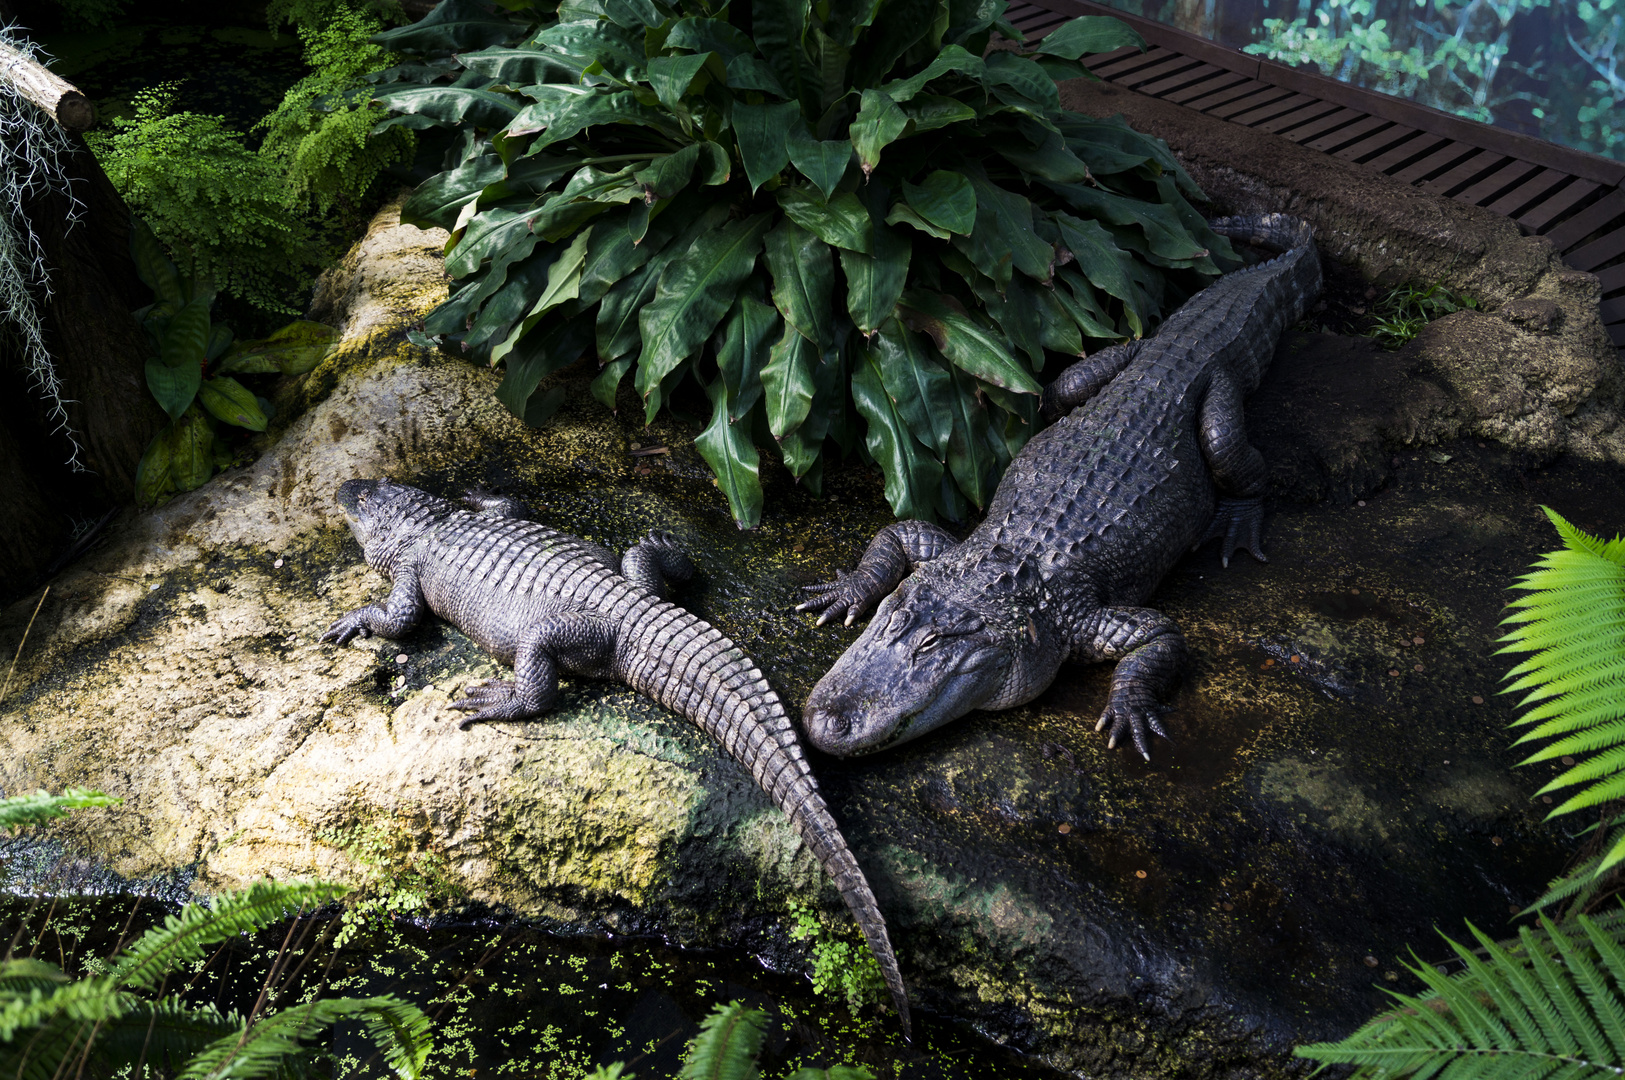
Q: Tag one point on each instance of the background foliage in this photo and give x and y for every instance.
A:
(839, 220)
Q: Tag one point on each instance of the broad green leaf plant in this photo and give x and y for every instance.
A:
(848, 222)
(193, 372)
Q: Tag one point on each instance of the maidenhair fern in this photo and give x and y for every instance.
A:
(1572, 618)
(1547, 1006)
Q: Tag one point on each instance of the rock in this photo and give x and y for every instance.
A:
(1394, 234)
(1331, 791)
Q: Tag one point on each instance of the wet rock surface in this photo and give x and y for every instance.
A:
(1339, 780)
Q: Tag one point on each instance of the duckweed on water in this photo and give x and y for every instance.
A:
(512, 1000)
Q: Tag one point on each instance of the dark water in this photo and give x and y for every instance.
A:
(516, 1000)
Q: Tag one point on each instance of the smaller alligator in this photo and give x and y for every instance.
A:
(544, 600)
(1148, 460)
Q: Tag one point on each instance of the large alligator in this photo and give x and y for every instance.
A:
(1148, 460)
(544, 600)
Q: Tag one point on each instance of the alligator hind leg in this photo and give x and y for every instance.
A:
(1150, 652)
(574, 640)
(1238, 469)
(655, 561)
(490, 504)
(1084, 380)
(895, 552)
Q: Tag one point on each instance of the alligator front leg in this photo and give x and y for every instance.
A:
(1084, 379)
(1238, 470)
(574, 640)
(1150, 652)
(894, 553)
(656, 560)
(403, 610)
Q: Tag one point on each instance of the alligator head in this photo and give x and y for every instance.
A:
(386, 517)
(923, 660)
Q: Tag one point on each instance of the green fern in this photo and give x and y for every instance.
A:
(727, 1045)
(1548, 1006)
(1572, 619)
(38, 808)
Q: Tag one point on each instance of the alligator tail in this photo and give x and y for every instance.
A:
(1272, 232)
(690, 667)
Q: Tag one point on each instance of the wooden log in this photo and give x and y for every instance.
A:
(56, 96)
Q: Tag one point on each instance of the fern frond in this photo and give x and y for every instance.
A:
(183, 937)
(399, 1029)
(1548, 1006)
(89, 1001)
(727, 1045)
(163, 1033)
(1571, 619)
(834, 1072)
(38, 808)
(24, 974)
(1581, 883)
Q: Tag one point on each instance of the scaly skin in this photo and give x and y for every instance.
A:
(1147, 459)
(543, 601)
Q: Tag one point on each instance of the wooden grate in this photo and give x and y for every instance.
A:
(1575, 199)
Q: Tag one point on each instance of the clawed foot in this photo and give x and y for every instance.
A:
(1237, 523)
(494, 699)
(851, 593)
(1133, 717)
(348, 626)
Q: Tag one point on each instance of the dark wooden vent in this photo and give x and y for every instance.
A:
(1573, 198)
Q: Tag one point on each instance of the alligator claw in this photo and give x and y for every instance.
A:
(848, 593)
(1237, 523)
(1132, 720)
(344, 628)
(494, 699)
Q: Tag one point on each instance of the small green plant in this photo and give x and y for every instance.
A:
(1548, 1005)
(320, 137)
(399, 880)
(841, 968)
(1404, 311)
(1572, 619)
(850, 223)
(218, 207)
(192, 372)
(729, 1042)
(123, 1016)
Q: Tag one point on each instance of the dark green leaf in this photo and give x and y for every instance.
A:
(1020, 315)
(582, 111)
(841, 222)
(152, 474)
(780, 27)
(453, 26)
(760, 130)
(970, 346)
(231, 401)
(971, 459)
(520, 66)
(191, 451)
(186, 338)
(715, 165)
(438, 199)
(671, 76)
(1058, 331)
(585, 43)
(1004, 235)
(946, 199)
(803, 270)
(454, 105)
(747, 335)
(501, 232)
(695, 291)
(874, 282)
(1102, 262)
(912, 475)
(1050, 160)
(538, 356)
(753, 73)
(618, 332)
(630, 14)
(787, 379)
(219, 340)
(1089, 34)
(1078, 299)
(1023, 76)
(879, 123)
(1165, 235)
(931, 111)
(563, 285)
(530, 176)
(292, 350)
(156, 271)
(802, 449)
(824, 163)
(726, 446)
(903, 214)
(920, 387)
(709, 35)
(174, 387)
(670, 173)
(609, 380)
(847, 17)
(613, 254)
(897, 25)
(951, 59)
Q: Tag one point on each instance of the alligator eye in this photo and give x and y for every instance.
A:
(928, 641)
